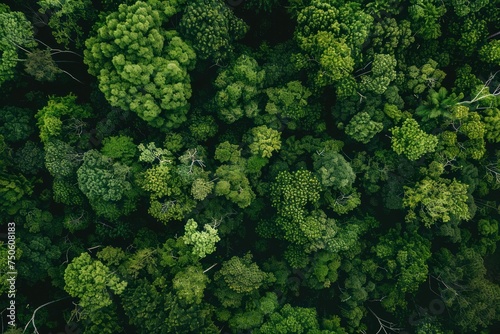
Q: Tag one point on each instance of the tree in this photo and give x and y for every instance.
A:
(290, 195)
(490, 52)
(403, 257)
(61, 159)
(16, 123)
(234, 185)
(13, 187)
(29, 158)
(425, 17)
(289, 102)
(227, 152)
(330, 37)
(411, 141)
(66, 18)
(55, 120)
(382, 73)
(264, 141)
(391, 35)
(201, 188)
(92, 282)
(203, 242)
(238, 87)
(41, 65)
(462, 8)
(465, 290)
(291, 319)
(121, 148)
(15, 34)
(108, 185)
(140, 66)
(189, 285)
(241, 274)
(362, 128)
(333, 170)
(211, 27)
(491, 120)
(436, 200)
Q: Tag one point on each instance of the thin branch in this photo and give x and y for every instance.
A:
(213, 265)
(70, 75)
(478, 96)
(32, 320)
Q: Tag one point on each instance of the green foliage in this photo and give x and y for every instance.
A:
(238, 87)
(12, 190)
(140, 66)
(465, 290)
(463, 8)
(291, 319)
(411, 141)
(89, 280)
(121, 148)
(490, 52)
(427, 76)
(61, 159)
(425, 17)
(471, 33)
(491, 120)
(330, 37)
(437, 200)
(64, 191)
(201, 188)
(203, 242)
(66, 18)
(290, 195)
(37, 257)
(241, 274)
(107, 185)
(16, 123)
(189, 285)
(15, 33)
(404, 257)
(333, 170)
(227, 152)
(362, 128)
(151, 153)
(289, 102)
(390, 35)
(383, 72)
(60, 111)
(29, 158)
(211, 28)
(40, 65)
(264, 141)
(212, 129)
(234, 185)
(202, 127)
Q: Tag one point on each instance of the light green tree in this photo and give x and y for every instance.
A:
(203, 242)
(410, 140)
(264, 141)
(92, 282)
(432, 201)
(140, 66)
(16, 34)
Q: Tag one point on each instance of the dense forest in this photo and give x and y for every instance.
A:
(258, 166)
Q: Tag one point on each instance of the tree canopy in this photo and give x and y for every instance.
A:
(250, 166)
